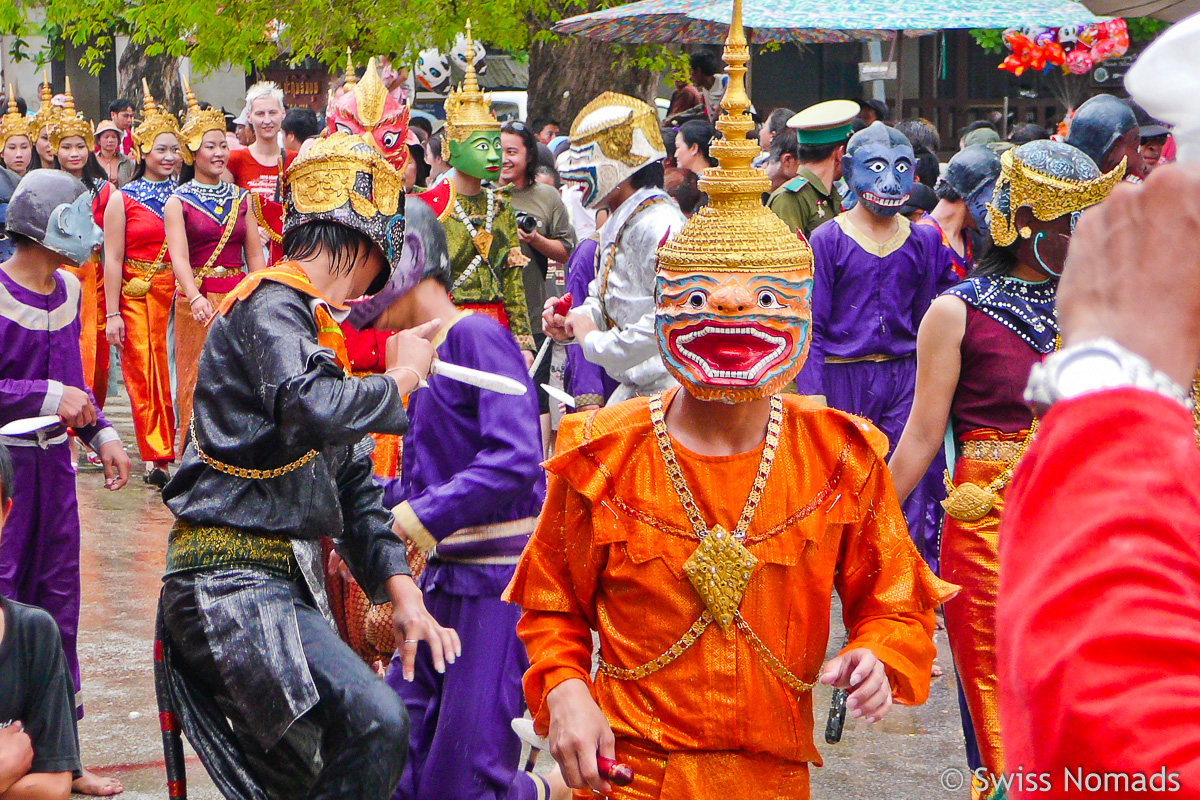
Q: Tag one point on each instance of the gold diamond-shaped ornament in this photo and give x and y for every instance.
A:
(719, 570)
(483, 243)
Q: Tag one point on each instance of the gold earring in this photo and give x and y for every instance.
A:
(1025, 232)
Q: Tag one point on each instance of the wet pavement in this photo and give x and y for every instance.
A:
(905, 757)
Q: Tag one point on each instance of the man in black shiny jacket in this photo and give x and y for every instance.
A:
(278, 455)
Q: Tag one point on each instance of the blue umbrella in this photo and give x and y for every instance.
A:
(806, 21)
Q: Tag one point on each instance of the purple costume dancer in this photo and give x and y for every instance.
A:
(39, 547)
(588, 383)
(868, 301)
(470, 490)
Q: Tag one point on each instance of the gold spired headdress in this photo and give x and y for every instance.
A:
(371, 94)
(1026, 180)
(70, 123)
(155, 121)
(198, 122)
(14, 122)
(47, 113)
(467, 109)
(735, 232)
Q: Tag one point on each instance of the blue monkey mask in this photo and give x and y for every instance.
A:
(879, 169)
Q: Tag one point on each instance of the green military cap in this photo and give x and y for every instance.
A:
(824, 123)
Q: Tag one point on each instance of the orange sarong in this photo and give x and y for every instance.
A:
(189, 341)
(970, 557)
(93, 342)
(145, 368)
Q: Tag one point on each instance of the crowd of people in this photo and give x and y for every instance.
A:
(808, 310)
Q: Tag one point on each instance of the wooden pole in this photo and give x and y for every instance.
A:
(898, 50)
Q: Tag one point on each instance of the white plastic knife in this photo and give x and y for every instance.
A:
(21, 427)
(477, 377)
(559, 395)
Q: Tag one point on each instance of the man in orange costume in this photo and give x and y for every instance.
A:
(713, 616)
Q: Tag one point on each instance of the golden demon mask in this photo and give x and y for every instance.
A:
(366, 107)
(1052, 178)
(734, 287)
(198, 121)
(344, 179)
(467, 109)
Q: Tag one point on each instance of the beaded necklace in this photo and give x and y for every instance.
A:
(482, 239)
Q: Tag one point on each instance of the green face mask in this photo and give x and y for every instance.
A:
(478, 156)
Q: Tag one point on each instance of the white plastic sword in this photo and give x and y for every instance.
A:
(477, 377)
(21, 427)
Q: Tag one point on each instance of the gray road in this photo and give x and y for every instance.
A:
(124, 540)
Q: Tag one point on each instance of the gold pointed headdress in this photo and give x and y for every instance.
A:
(14, 123)
(48, 112)
(466, 107)
(70, 123)
(154, 122)
(371, 94)
(735, 232)
(198, 122)
(1052, 179)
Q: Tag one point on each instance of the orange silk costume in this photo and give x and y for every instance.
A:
(144, 355)
(718, 721)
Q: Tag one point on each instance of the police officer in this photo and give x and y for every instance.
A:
(809, 198)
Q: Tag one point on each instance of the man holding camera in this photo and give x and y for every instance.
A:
(543, 227)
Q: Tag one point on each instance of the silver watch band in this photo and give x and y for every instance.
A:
(1094, 366)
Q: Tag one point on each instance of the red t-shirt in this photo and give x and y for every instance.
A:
(261, 181)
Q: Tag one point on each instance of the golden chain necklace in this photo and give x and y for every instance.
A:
(720, 567)
(242, 472)
(774, 425)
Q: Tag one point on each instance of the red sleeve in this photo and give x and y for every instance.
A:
(234, 165)
(1098, 617)
(367, 349)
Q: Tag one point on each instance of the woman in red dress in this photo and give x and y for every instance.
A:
(259, 168)
(140, 287)
(209, 231)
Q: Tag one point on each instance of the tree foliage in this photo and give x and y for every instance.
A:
(253, 33)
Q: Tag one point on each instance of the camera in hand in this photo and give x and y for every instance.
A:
(526, 221)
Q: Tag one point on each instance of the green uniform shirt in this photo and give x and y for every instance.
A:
(804, 203)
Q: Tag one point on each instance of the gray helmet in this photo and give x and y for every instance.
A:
(1098, 124)
(425, 255)
(54, 209)
(970, 168)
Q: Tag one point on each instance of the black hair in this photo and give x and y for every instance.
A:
(22, 106)
(301, 122)
(649, 176)
(434, 143)
(421, 222)
(538, 123)
(945, 191)
(551, 172)
(529, 144)
(921, 134)
(340, 242)
(686, 192)
(699, 132)
(816, 153)
(119, 105)
(978, 124)
(995, 261)
(93, 175)
(704, 62)
(927, 167)
(6, 475)
(1028, 132)
(422, 124)
(785, 144)
(416, 154)
(777, 121)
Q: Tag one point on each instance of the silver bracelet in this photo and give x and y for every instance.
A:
(194, 299)
(114, 314)
(416, 375)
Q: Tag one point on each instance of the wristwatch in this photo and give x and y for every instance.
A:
(1095, 366)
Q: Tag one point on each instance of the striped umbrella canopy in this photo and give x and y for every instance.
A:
(812, 21)
(1169, 10)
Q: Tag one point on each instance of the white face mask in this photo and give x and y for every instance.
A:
(593, 173)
